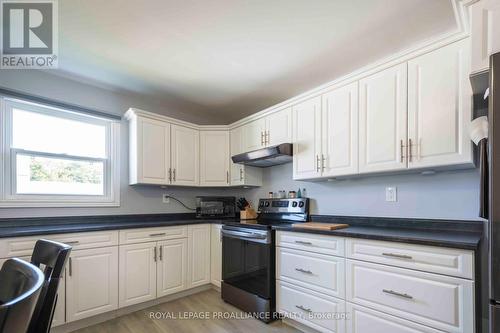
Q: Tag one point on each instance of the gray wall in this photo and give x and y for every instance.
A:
(443, 195)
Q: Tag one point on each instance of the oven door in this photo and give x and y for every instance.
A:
(248, 260)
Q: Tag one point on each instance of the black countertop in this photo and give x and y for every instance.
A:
(455, 234)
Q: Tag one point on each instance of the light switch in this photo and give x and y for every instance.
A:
(391, 194)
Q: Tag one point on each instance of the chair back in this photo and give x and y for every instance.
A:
(51, 257)
(20, 286)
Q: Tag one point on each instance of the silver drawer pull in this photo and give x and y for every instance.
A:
(303, 243)
(303, 271)
(303, 308)
(158, 234)
(72, 242)
(395, 293)
(395, 255)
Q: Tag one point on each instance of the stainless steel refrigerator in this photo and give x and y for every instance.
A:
(494, 191)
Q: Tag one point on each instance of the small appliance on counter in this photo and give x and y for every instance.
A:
(248, 256)
(215, 207)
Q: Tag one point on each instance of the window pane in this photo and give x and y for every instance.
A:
(40, 132)
(45, 175)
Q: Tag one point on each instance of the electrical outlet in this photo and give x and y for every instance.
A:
(391, 194)
(166, 198)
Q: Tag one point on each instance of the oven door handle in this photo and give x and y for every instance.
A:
(243, 234)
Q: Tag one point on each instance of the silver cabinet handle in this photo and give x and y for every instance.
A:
(410, 153)
(401, 147)
(395, 255)
(303, 271)
(161, 253)
(241, 174)
(261, 138)
(154, 254)
(158, 234)
(318, 165)
(70, 266)
(227, 177)
(169, 174)
(266, 137)
(72, 242)
(173, 172)
(395, 293)
(301, 307)
(303, 242)
(323, 159)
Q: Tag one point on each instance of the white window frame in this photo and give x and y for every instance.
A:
(111, 163)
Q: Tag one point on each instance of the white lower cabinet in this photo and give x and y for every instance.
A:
(198, 255)
(172, 266)
(365, 320)
(91, 282)
(216, 255)
(137, 278)
(321, 312)
(388, 287)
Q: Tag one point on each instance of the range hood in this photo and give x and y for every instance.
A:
(266, 157)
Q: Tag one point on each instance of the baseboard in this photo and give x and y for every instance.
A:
(299, 326)
(76, 325)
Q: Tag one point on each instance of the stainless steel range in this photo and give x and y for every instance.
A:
(248, 256)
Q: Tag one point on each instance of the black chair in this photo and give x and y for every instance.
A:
(51, 257)
(20, 286)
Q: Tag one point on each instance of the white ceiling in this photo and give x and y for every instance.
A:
(231, 58)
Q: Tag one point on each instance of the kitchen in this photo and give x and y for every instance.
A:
(368, 188)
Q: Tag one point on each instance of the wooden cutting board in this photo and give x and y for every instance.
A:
(320, 226)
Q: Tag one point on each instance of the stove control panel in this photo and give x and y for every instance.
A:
(291, 206)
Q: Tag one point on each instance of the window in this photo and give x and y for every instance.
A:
(54, 157)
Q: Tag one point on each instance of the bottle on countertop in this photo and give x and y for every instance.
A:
(299, 194)
(304, 193)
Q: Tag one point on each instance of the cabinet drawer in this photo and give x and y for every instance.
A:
(323, 313)
(143, 235)
(438, 301)
(432, 259)
(320, 272)
(364, 320)
(310, 242)
(23, 246)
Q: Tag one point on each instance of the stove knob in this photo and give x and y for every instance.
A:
(294, 204)
(301, 204)
(261, 204)
(267, 204)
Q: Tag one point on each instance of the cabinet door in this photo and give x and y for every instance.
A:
(279, 127)
(216, 255)
(307, 139)
(340, 131)
(485, 33)
(253, 135)
(214, 158)
(198, 255)
(185, 155)
(172, 266)
(242, 174)
(91, 282)
(439, 107)
(382, 120)
(137, 273)
(153, 152)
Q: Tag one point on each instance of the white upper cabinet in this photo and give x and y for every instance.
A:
(439, 107)
(149, 151)
(241, 174)
(340, 131)
(485, 28)
(214, 158)
(307, 139)
(278, 127)
(383, 120)
(185, 155)
(253, 135)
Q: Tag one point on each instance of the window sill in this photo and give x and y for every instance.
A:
(55, 204)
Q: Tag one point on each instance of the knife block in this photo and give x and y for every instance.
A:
(248, 214)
